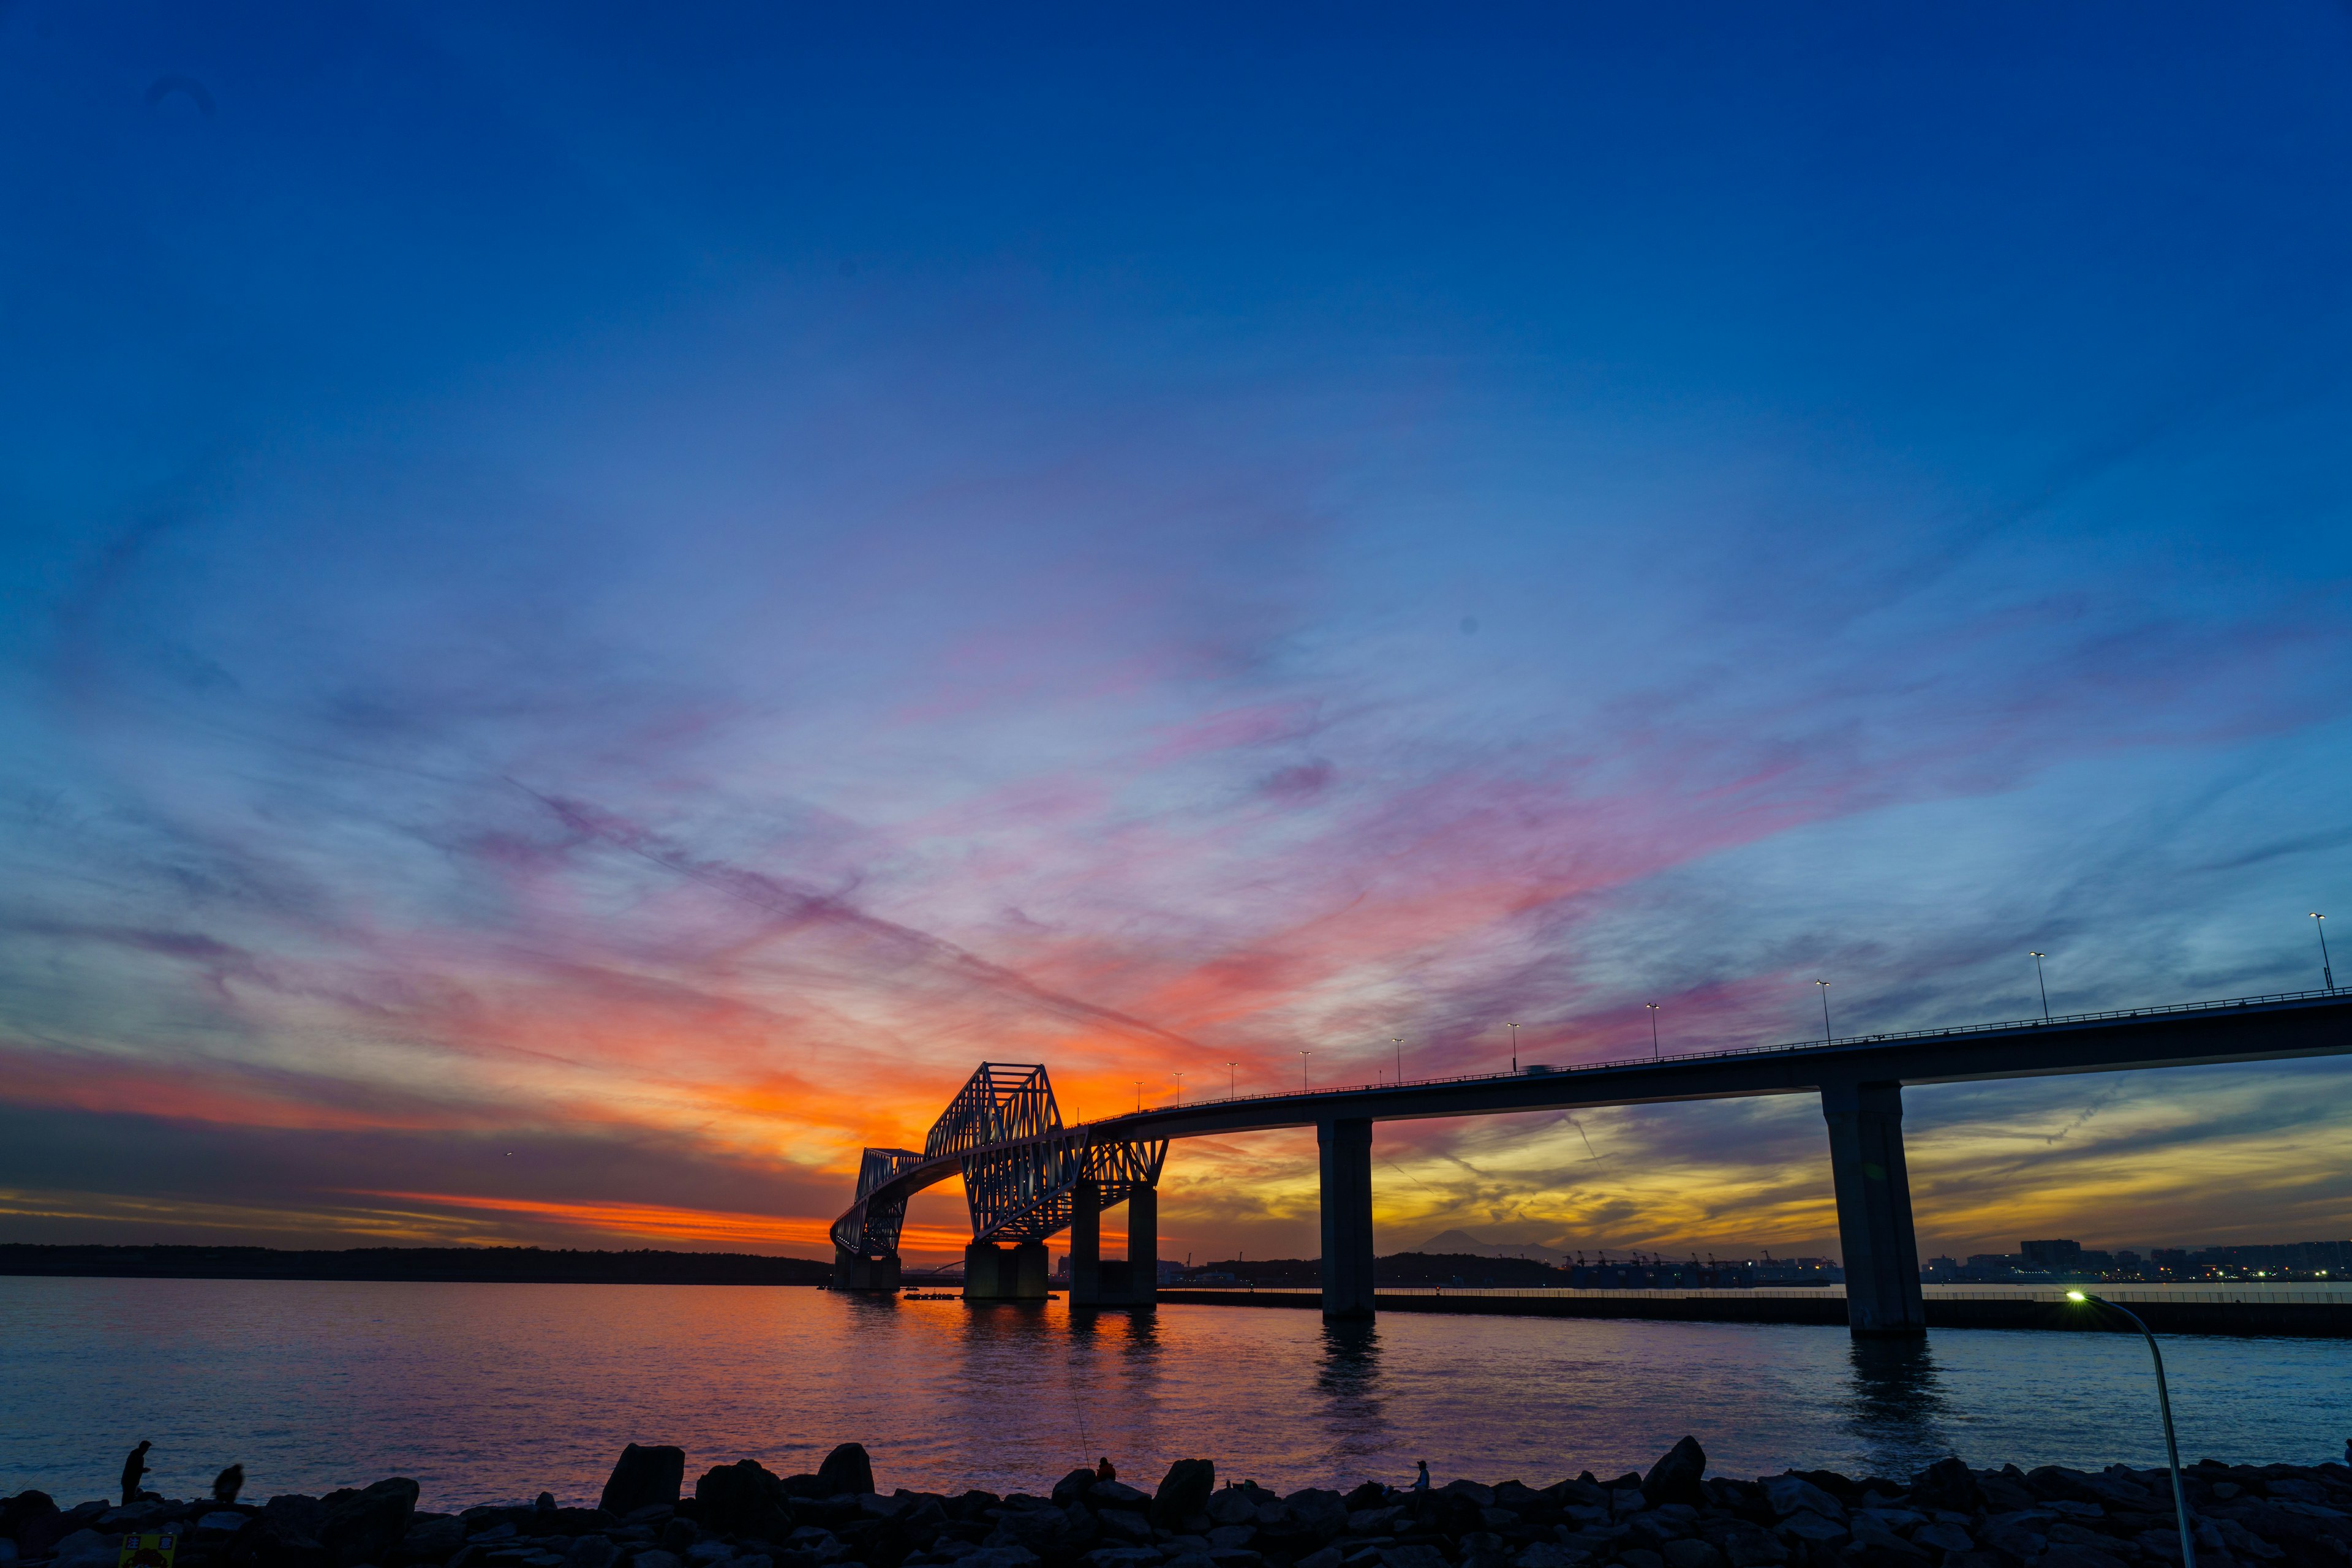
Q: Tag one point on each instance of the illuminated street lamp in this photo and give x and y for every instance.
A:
(2164, 1405)
(1515, 1048)
(1825, 1010)
(2037, 958)
(1652, 1006)
(2327, 970)
(1400, 1046)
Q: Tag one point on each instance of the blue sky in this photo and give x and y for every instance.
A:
(593, 606)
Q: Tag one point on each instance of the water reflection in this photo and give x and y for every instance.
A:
(1348, 1378)
(1899, 1405)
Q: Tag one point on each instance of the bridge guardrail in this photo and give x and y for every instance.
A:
(2169, 1010)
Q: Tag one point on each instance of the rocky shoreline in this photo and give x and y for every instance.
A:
(1676, 1515)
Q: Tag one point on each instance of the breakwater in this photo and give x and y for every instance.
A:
(1675, 1515)
(2302, 1320)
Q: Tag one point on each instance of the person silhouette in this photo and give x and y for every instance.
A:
(1106, 1471)
(228, 1483)
(1420, 1481)
(134, 1466)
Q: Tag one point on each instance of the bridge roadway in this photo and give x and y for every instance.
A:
(1860, 1080)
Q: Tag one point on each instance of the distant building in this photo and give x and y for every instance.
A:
(2051, 1255)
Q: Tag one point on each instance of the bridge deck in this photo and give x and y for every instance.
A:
(2239, 1029)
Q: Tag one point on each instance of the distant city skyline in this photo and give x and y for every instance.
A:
(592, 613)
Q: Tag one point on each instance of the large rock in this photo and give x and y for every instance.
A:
(1183, 1491)
(19, 1510)
(642, 1476)
(86, 1549)
(743, 1499)
(432, 1541)
(1315, 1511)
(845, 1469)
(1675, 1476)
(1948, 1484)
(366, 1525)
(1072, 1486)
(1793, 1494)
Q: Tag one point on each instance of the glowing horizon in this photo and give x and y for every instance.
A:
(589, 617)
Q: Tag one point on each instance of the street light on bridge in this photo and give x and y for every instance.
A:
(1400, 1046)
(1302, 1070)
(1652, 1006)
(1515, 1048)
(1179, 1088)
(1825, 1010)
(2037, 958)
(1231, 1081)
(2327, 970)
(2164, 1407)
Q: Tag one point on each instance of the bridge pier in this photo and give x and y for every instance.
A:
(1096, 1281)
(1085, 1244)
(1345, 1147)
(993, 1273)
(851, 1272)
(1873, 1204)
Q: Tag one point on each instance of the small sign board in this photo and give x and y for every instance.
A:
(154, 1550)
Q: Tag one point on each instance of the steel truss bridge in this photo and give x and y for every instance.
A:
(1023, 1170)
(1027, 1176)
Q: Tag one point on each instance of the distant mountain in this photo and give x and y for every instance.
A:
(1462, 1241)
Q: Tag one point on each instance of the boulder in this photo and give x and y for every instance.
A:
(1183, 1491)
(591, 1551)
(1792, 1493)
(431, 1541)
(1075, 1485)
(642, 1476)
(1231, 1506)
(365, 1526)
(845, 1469)
(40, 1533)
(1690, 1553)
(742, 1499)
(1317, 1513)
(17, 1511)
(1675, 1476)
(1950, 1484)
(1123, 1524)
(86, 1549)
(1116, 1494)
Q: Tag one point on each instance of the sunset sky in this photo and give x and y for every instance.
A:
(595, 604)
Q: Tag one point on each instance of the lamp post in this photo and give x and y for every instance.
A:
(1400, 1046)
(2327, 970)
(1302, 1070)
(2164, 1405)
(1231, 1079)
(1179, 1088)
(1515, 1048)
(1825, 1010)
(1139, 1094)
(1652, 1006)
(2037, 958)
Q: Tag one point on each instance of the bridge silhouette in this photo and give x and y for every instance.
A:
(1027, 1176)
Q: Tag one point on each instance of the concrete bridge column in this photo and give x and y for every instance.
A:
(1347, 1159)
(1874, 1204)
(1085, 1245)
(993, 1273)
(1143, 1248)
(852, 1272)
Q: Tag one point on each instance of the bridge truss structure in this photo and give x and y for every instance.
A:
(1021, 1167)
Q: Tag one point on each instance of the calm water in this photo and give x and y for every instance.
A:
(491, 1393)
